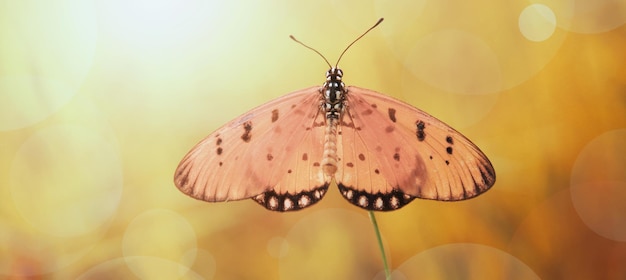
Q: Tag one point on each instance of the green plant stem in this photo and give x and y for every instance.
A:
(380, 245)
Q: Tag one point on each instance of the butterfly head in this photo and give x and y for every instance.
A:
(334, 74)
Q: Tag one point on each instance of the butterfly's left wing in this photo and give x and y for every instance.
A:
(391, 152)
(271, 154)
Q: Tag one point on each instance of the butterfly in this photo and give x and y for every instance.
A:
(381, 152)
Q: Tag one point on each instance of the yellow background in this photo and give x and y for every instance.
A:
(99, 100)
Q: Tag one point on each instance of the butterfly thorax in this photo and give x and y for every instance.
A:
(333, 92)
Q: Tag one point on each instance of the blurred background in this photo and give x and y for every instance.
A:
(99, 101)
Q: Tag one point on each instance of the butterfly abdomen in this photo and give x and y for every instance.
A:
(329, 158)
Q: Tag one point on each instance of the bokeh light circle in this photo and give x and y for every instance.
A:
(47, 50)
(66, 180)
(537, 22)
(162, 234)
(463, 261)
(598, 185)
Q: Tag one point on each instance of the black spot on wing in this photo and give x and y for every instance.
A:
(396, 157)
(218, 151)
(361, 157)
(392, 114)
(450, 141)
(305, 156)
(274, 115)
(420, 126)
(270, 157)
(247, 128)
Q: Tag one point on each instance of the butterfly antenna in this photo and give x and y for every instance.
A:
(344, 51)
(294, 38)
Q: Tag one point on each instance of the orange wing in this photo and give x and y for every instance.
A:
(270, 154)
(391, 152)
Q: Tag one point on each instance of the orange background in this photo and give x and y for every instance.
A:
(99, 100)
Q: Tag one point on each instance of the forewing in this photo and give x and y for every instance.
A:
(392, 152)
(267, 154)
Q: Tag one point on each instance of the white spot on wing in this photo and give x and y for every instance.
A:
(304, 201)
(363, 201)
(273, 202)
(287, 204)
(349, 194)
(378, 204)
(395, 202)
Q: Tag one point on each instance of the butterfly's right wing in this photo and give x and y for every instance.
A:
(270, 154)
(393, 152)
